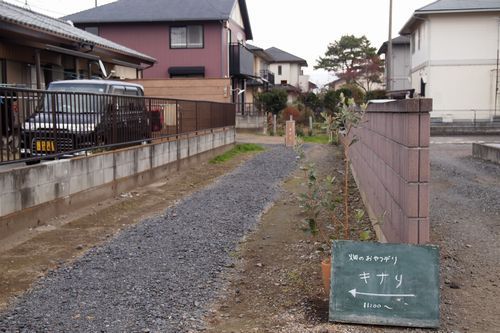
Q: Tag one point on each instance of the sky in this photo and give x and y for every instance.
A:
(303, 28)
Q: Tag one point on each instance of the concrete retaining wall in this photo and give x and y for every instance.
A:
(392, 168)
(33, 193)
(488, 151)
(250, 122)
(478, 128)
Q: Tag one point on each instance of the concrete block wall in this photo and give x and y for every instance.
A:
(29, 187)
(392, 168)
(250, 122)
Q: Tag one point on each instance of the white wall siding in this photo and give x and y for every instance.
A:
(401, 67)
(457, 60)
(464, 37)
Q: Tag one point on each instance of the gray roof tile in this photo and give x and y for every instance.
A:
(161, 11)
(20, 16)
(282, 56)
(451, 6)
(460, 5)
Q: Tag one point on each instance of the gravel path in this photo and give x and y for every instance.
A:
(465, 220)
(161, 275)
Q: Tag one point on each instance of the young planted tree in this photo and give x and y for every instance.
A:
(348, 117)
(355, 60)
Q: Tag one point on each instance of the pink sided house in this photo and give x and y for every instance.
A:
(199, 41)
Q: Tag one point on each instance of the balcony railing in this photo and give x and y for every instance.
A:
(267, 75)
(249, 109)
(240, 61)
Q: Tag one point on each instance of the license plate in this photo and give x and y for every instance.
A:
(45, 146)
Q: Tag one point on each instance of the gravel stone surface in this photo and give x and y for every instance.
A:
(465, 220)
(162, 274)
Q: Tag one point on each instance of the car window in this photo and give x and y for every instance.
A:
(71, 87)
(118, 90)
(132, 91)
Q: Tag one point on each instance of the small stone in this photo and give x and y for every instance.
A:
(468, 245)
(79, 247)
(259, 264)
(454, 285)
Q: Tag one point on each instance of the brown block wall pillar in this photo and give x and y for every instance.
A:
(392, 168)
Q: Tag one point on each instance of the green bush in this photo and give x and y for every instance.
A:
(273, 100)
(356, 93)
(376, 94)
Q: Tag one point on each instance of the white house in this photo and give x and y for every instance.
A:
(288, 73)
(454, 53)
(400, 64)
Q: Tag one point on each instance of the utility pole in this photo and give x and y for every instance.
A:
(96, 3)
(388, 55)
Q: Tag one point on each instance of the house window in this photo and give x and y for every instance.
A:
(422, 88)
(280, 70)
(187, 37)
(93, 30)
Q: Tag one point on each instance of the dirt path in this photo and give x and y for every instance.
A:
(276, 284)
(465, 215)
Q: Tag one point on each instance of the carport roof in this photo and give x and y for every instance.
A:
(28, 19)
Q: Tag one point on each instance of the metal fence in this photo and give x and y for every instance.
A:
(249, 109)
(36, 124)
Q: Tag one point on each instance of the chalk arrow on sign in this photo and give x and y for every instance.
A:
(353, 292)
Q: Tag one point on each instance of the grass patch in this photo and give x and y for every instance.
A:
(323, 139)
(243, 148)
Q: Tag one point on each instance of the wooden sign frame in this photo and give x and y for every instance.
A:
(385, 284)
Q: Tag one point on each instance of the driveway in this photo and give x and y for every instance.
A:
(465, 220)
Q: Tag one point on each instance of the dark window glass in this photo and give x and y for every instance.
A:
(93, 30)
(190, 37)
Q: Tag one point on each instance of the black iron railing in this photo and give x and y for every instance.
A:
(36, 124)
(249, 109)
(267, 75)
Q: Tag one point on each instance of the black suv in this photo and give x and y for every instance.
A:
(78, 115)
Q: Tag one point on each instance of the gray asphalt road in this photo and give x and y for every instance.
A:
(161, 275)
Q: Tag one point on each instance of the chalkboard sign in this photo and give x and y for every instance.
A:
(385, 284)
